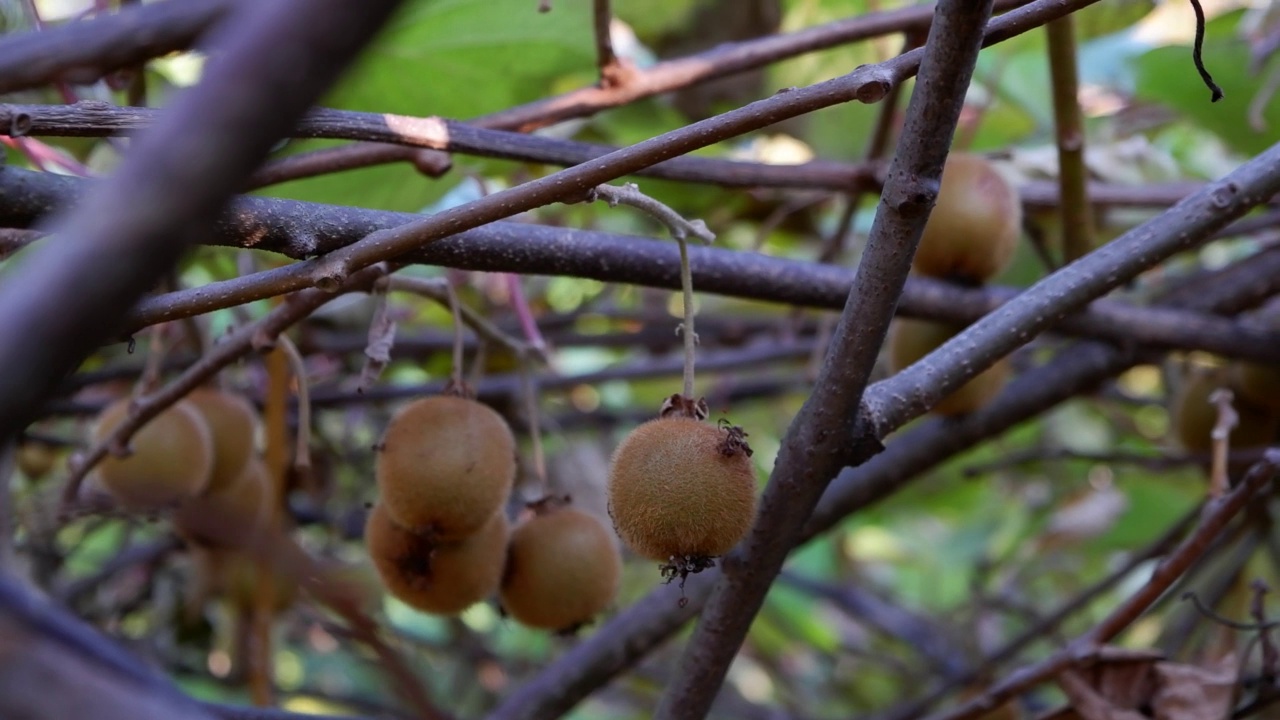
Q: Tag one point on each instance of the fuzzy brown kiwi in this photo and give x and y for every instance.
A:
(445, 466)
(232, 515)
(171, 461)
(681, 488)
(973, 230)
(438, 578)
(1193, 416)
(234, 423)
(1258, 384)
(563, 569)
(910, 340)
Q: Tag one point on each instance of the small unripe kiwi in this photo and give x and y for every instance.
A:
(445, 466)
(439, 578)
(233, 515)
(680, 488)
(1258, 384)
(234, 423)
(1193, 416)
(171, 461)
(563, 569)
(910, 340)
(973, 230)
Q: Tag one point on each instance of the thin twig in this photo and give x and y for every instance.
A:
(1217, 513)
(302, 389)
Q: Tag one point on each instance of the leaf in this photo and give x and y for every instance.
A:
(1187, 692)
(1166, 75)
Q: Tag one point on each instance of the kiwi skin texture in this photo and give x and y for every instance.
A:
(1258, 384)
(234, 423)
(973, 230)
(674, 492)
(171, 461)
(910, 340)
(445, 465)
(232, 515)
(443, 579)
(563, 569)
(1193, 416)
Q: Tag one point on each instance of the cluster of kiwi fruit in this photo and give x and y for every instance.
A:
(682, 490)
(440, 538)
(969, 239)
(199, 460)
(1255, 398)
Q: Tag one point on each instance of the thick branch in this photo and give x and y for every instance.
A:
(84, 51)
(70, 294)
(301, 230)
(818, 443)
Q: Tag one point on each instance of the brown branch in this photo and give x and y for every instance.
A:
(1075, 213)
(210, 139)
(1217, 513)
(713, 64)
(86, 50)
(818, 443)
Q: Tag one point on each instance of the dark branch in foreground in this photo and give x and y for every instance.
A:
(70, 295)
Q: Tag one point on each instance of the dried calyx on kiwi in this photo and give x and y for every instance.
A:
(563, 568)
(910, 340)
(435, 577)
(974, 227)
(444, 466)
(682, 490)
(1193, 414)
(171, 458)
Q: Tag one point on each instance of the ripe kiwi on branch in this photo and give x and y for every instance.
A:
(171, 459)
(682, 491)
(232, 515)
(1193, 415)
(974, 227)
(439, 578)
(444, 466)
(1257, 384)
(234, 423)
(910, 340)
(563, 568)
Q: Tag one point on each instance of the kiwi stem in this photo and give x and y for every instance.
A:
(456, 374)
(690, 337)
(150, 376)
(529, 389)
(302, 441)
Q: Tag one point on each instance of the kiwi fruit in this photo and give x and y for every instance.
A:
(1258, 384)
(231, 515)
(563, 569)
(438, 578)
(234, 423)
(1193, 416)
(973, 230)
(681, 488)
(35, 459)
(445, 465)
(910, 340)
(357, 582)
(171, 460)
